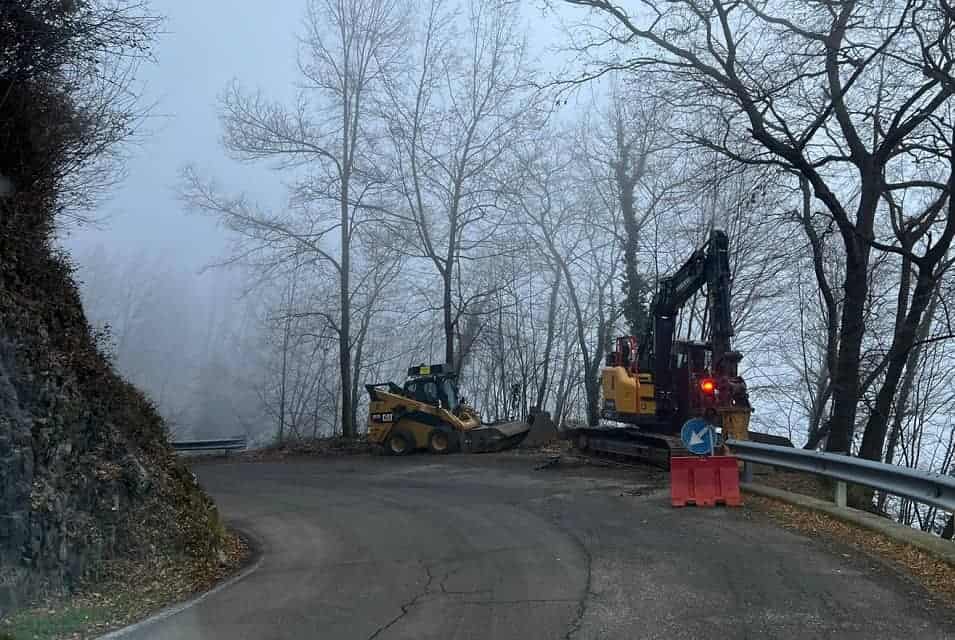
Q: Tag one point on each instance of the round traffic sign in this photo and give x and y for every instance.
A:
(698, 436)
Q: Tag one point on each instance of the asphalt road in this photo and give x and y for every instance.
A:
(466, 547)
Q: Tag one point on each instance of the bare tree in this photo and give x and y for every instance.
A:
(850, 98)
(631, 169)
(326, 140)
(374, 295)
(553, 298)
(461, 104)
(67, 101)
(579, 237)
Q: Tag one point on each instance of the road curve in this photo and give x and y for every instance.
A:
(466, 547)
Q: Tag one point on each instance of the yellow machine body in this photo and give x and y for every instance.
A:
(391, 410)
(735, 422)
(427, 414)
(630, 394)
(629, 397)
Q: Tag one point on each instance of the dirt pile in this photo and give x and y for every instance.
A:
(543, 430)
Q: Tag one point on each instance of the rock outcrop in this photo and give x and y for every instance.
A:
(86, 472)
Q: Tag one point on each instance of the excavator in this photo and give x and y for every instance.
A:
(651, 388)
(427, 412)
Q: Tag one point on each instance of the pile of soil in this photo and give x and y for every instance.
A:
(543, 431)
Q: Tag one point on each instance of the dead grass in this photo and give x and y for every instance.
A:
(937, 576)
(128, 591)
(806, 484)
(309, 447)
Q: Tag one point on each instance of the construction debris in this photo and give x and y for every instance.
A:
(543, 431)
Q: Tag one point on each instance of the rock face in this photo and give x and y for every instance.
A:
(86, 473)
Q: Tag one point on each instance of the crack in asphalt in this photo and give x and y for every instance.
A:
(522, 601)
(575, 624)
(406, 607)
(456, 592)
(460, 597)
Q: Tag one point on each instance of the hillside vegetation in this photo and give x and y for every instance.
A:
(86, 473)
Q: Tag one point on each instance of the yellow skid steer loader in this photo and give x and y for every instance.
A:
(427, 413)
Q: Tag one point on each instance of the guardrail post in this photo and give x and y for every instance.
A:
(840, 493)
(747, 472)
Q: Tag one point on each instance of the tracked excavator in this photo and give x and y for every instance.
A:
(428, 413)
(651, 388)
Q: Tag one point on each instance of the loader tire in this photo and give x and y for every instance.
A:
(439, 442)
(399, 443)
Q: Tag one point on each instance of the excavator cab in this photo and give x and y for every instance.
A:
(627, 391)
(624, 355)
(688, 378)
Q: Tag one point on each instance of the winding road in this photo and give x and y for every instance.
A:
(488, 546)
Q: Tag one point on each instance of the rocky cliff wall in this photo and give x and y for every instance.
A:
(86, 473)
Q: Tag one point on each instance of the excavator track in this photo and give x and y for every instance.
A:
(633, 446)
(626, 443)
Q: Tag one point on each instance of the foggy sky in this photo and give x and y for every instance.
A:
(204, 45)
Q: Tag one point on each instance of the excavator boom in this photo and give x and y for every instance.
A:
(652, 389)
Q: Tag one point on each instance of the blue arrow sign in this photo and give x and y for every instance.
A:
(698, 436)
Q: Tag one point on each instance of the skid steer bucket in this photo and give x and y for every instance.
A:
(494, 437)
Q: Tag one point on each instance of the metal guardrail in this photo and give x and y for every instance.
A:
(224, 444)
(921, 486)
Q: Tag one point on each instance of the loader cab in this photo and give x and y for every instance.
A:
(432, 385)
(423, 390)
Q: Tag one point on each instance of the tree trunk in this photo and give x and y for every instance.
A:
(549, 344)
(286, 335)
(283, 380)
(633, 283)
(448, 319)
(560, 405)
(592, 385)
(873, 439)
(845, 379)
(818, 427)
(908, 381)
(344, 335)
(589, 384)
(356, 370)
(815, 437)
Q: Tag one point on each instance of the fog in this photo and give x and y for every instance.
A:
(488, 217)
(183, 325)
